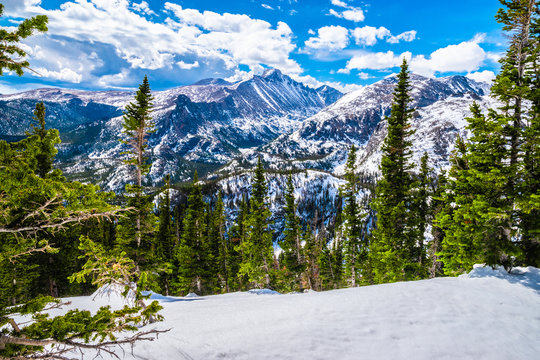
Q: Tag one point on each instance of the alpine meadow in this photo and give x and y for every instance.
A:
(279, 180)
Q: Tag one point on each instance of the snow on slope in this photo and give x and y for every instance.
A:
(487, 314)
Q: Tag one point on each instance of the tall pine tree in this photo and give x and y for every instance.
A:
(392, 251)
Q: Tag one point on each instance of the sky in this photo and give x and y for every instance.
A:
(347, 44)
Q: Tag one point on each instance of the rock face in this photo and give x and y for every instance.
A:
(204, 125)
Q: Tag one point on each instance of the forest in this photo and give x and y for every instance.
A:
(60, 237)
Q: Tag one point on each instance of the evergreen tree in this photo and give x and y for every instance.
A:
(12, 54)
(45, 143)
(292, 249)
(257, 248)
(193, 251)
(164, 237)
(420, 212)
(476, 229)
(393, 248)
(437, 208)
(224, 251)
(355, 247)
(137, 125)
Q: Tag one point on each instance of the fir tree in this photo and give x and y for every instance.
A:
(292, 249)
(136, 127)
(193, 251)
(420, 212)
(164, 237)
(392, 251)
(355, 247)
(257, 248)
(12, 54)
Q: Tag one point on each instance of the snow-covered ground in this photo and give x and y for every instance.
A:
(487, 314)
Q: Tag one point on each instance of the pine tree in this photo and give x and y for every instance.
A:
(292, 249)
(137, 126)
(392, 251)
(420, 212)
(164, 239)
(439, 207)
(193, 251)
(355, 247)
(45, 146)
(225, 251)
(12, 54)
(476, 230)
(237, 235)
(257, 248)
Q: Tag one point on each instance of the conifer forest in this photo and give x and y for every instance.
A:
(68, 236)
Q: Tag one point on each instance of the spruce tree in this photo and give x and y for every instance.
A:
(192, 253)
(420, 212)
(392, 251)
(257, 248)
(164, 238)
(355, 247)
(136, 231)
(292, 249)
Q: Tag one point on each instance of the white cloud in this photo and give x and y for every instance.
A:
(329, 38)
(121, 33)
(143, 8)
(19, 7)
(368, 35)
(355, 14)
(406, 36)
(482, 76)
(374, 61)
(339, 3)
(266, 6)
(187, 66)
(467, 56)
(364, 76)
(64, 74)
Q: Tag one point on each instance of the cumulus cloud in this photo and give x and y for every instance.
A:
(339, 3)
(467, 56)
(350, 13)
(374, 61)
(406, 36)
(369, 35)
(62, 75)
(188, 66)
(266, 6)
(219, 42)
(143, 8)
(482, 76)
(329, 38)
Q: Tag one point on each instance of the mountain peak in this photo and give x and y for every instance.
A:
(212, 81)
(272, 73)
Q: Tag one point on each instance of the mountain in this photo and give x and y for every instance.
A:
(322, 141)
(201, 126)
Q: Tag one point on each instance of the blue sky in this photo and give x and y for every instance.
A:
(112, 44)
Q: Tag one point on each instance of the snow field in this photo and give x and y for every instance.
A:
(487, 314)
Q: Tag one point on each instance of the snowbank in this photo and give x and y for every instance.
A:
(486, 314)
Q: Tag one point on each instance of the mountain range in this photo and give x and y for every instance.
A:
(221, 128)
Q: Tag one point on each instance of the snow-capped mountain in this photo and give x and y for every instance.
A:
(322, 141)
(203, 125)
